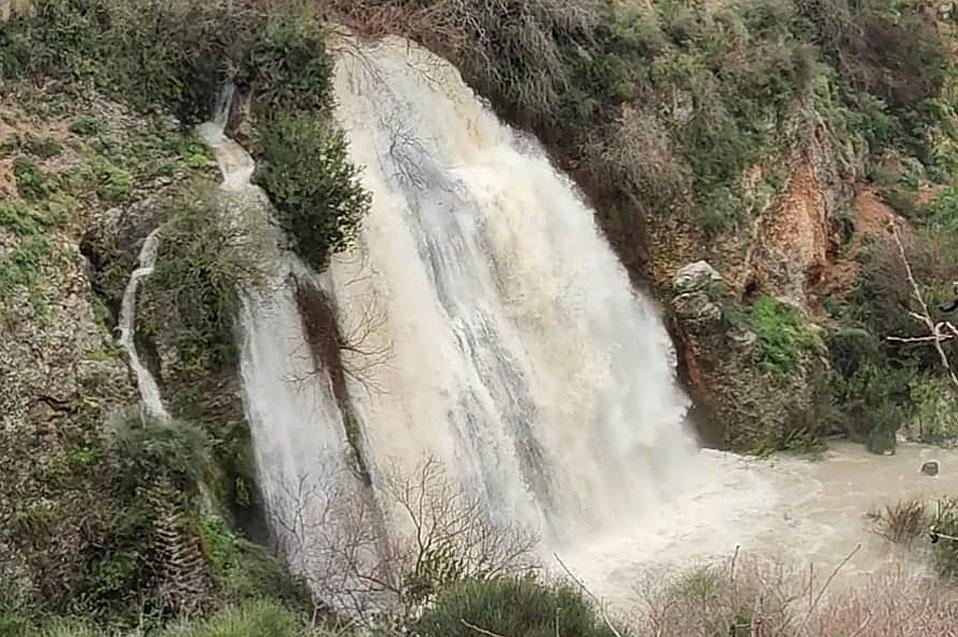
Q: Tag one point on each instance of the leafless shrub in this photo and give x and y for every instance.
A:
(510, 48)
(636, 150)
(745, 597)
(901, 522)
(739, 596)
(334, 534)
(936, 332)
(892, 604)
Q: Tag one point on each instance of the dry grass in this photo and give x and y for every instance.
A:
(901, 522)
(511, 50)
(743, 597)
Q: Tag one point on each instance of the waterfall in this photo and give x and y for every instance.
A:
(499, 332)
(149, 391)
(297, 429)
(487, 325)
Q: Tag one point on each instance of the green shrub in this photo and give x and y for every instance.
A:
(115, 44)
(945, 551)
(850, 349)
(31, 182)
(205, 259)
(151, 451)
(876, 402)
(320, 203)
(114, 184)
(289, 67)
(243, 570)
(783, 337)
(149, 53)
(110, 576)
(42, 147)
(22, 266)
(935, 417)
(87, 125)
(260, 618)
(24, 221)
(514, 607)
(942, 211)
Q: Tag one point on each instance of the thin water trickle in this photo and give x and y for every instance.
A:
(149, 391)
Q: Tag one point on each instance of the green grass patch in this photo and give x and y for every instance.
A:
(784, 339)
(114, 184)
(31, 182)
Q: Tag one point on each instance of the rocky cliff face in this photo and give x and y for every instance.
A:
(60, 372)
(743, 402)
(79, 180)
(787, 253)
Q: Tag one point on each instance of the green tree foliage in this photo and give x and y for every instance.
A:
(515, 607)
(320, 203)
(153, 54)
(206, 258)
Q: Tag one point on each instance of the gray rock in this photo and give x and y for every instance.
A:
(742, 338)
(695, 277)
(696, 306)
(930, 468)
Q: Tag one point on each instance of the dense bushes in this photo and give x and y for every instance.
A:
(886, 385)
(173, 55)
(149, 53)
(713, 91)
(211, 251)
(288, 67)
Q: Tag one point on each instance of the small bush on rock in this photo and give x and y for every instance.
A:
(320, 203)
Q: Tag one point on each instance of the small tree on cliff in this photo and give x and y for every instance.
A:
(319, 200)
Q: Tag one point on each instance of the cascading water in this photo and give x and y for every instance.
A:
(302, 453)
(487, 324)
(518, 353)
(149, 391)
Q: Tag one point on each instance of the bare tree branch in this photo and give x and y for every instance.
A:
(585, 590)
(481, 631)
(935, 330)
(336, 535)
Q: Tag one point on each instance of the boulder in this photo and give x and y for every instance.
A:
(693, 302)
(695, 277)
